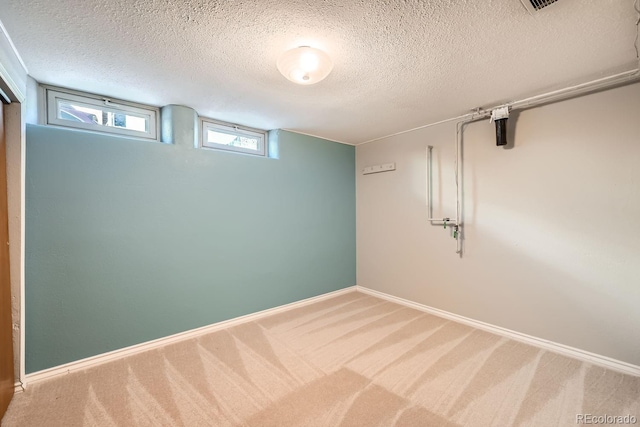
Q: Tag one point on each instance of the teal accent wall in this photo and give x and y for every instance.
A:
(128, 241)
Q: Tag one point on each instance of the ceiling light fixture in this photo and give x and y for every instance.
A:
(305, 65)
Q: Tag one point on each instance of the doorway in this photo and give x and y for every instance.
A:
(6, 340)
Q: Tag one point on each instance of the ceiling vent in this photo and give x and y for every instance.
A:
(536, 5)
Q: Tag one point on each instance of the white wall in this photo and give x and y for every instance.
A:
(552, 225)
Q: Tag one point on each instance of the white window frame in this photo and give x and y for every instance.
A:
(54, 94)
(229, 128)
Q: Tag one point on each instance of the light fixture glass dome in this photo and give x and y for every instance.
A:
(305, 65)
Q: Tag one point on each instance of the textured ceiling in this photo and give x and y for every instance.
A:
(398, 64)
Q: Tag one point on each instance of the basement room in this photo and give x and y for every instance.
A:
(319, 213)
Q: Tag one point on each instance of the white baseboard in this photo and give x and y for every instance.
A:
(67, 368)
(149, 345)
(17, 387)
(596, 359)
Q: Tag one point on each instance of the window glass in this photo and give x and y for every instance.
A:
(93, 113)
(225, 136)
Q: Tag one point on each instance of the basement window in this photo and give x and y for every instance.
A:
(96, 113)
(229, 137)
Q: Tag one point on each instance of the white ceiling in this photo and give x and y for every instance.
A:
(398, 64)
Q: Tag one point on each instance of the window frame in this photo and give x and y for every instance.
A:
(232, 129)
(53, 95)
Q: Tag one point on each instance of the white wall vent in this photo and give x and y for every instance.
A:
(536, 5)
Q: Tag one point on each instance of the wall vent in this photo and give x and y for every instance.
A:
(536, 5)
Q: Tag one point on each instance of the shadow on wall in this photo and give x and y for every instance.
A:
(534, 285)
(548, 246)
(518, 283)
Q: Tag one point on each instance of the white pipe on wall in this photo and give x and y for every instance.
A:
(557, 95)
(444, 221)
(568, 92)
(430, 218)
(458, 165)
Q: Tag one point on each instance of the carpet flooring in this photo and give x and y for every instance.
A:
(352, 360)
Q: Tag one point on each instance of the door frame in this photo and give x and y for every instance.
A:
(13, 84)
(14, 114)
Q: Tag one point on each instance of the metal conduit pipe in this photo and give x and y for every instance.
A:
(481, 114)
(430, 218)
(457, 222)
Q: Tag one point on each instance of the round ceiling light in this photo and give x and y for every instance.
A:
(305, 65)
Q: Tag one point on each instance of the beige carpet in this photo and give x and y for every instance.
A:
(353, 360)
